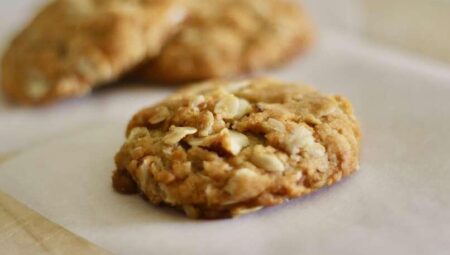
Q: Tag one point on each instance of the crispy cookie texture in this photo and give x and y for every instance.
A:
(221, 149)
(227, 37)
(74, 45)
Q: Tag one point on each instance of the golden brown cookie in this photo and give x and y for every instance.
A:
(222, 149)
(73, 45)
(228, 37)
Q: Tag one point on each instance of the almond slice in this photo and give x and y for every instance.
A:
(266, 160)
(176, 134)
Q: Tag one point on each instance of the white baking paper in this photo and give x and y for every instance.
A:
(398, 203)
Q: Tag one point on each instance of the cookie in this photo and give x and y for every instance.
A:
(222, 149)
(229, 37)
(73, 45)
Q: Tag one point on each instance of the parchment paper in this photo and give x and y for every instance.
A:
(398, 203)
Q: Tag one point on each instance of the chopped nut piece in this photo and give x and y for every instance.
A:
(197, 101)
(243, 210)
(227, 107)
(209, 123)
(267, 106)
(162, 113)
(142, 172)
(200, 141)
(233, 142)
(137, 133)
(205, 141)
(275, 125)
(266, 160)
(316, 150)
(245, 184)
(298, 175)
(176, 134)
(302, 138)
(230, 107)
(37, 88)
(244, 108)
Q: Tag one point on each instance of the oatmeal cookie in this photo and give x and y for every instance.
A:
(222, 149)
(73, 45)
(228, 37)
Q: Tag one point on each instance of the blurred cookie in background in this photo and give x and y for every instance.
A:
(229, 37)
(73, 45)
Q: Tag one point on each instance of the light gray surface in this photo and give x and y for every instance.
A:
(398, 203)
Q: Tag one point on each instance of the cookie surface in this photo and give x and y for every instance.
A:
(223, 149)
(228, 37)
(73, 45)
